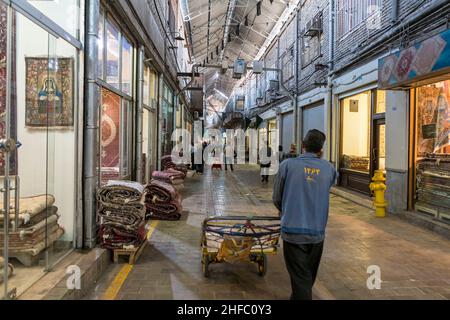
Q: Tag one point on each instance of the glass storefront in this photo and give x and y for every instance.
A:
(39, 102)
(273, 135)
(116, 66)
(432, 149)
(149, 129)
(356, 111)
(167, 120)
(363, 138)
(65, 13)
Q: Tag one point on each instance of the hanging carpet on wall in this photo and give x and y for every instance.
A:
(121, 215)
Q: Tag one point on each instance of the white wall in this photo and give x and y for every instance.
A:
(33, 41)
(397, 120)
(356, 125)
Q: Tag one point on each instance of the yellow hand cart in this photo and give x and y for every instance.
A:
(235, 239)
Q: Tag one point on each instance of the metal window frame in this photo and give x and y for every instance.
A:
(32, 13)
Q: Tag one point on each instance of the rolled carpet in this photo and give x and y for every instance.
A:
(120, 193)
(128, 217)
(167, 162)
(119, 238)
(170, 211)
(162, 201)
(160, 191)
(170, 176)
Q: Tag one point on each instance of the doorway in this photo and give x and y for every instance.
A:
(363, 139)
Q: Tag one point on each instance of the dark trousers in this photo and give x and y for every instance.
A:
(302, 262)
(226, 167)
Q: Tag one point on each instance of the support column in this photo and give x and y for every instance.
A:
(397, 150)
(296, 112)
(160, 119)
(91, 124)
(140, 115)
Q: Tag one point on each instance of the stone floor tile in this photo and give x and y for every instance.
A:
(414, 262)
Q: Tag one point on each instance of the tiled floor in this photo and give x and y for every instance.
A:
(414, 263)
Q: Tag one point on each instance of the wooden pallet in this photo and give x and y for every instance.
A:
(133, 254)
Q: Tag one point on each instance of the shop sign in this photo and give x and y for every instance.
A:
(425, 59)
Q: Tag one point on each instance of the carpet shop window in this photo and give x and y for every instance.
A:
(43, 117)
(115, 137)
(433, 149)
(168, 120)
(355, 132)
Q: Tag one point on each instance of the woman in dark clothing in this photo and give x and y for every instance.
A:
(265, 165)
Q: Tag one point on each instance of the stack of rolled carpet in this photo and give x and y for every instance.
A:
(170, 176)
(9, 268)
(121, 215)
(37, 228)
(167, 163)
(162, 201)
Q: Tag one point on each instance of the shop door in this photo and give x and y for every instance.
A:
(379, 146)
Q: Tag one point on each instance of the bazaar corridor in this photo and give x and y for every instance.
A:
(414, 262)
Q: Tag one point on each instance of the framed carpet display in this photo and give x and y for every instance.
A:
(49, 93)
(110, 135)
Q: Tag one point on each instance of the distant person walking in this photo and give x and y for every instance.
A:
(301, 194)
(280, 154)
(292, 153)
(228, 154)
(266, 163)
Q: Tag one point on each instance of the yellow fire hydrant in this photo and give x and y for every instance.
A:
(378, 187)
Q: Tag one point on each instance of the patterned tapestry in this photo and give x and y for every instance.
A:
(3, 86)
(433, 119)
(425, 58)
(49, 92)
(110, 134)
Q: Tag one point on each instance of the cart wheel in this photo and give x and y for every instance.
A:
(262, 266)
(205, 265)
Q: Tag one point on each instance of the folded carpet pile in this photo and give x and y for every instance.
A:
(2, 269)
(121, 215)
(162, 201)
(170, 176)
(167, 163)
(38, 226)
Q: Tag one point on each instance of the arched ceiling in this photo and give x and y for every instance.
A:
(225, 30)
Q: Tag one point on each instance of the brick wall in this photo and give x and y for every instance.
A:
(349, 47)
(307, 71)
